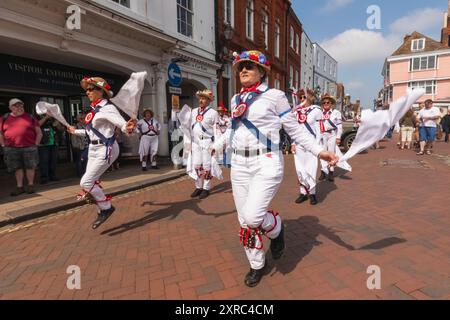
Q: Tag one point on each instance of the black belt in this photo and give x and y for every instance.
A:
(205, 138)
(96, 142)
(251, 153)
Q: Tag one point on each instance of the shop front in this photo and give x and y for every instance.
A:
(36, 80)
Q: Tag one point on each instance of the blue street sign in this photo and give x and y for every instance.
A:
(174, 73)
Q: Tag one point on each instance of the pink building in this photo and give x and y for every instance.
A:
(420, 62)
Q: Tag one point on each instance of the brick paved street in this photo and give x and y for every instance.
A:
(161, 244)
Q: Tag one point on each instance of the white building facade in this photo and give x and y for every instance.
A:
(325, 71)
(307, 70)
(42, 59)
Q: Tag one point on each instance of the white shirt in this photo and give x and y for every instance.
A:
(313, 116)
(223, 123)
(268, 113)
(428, 113)
(105, 121)
(149, 128)
(210, 118)
(335, 118)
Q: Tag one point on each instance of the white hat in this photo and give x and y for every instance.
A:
(14, 101)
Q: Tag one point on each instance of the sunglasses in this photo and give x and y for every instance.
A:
(247, 65)
(92, 89)
(302, 97)
(326, 102)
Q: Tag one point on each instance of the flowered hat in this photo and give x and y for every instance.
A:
(254, 56)
(328, 96)
(306, 92)
(98, 82)
(147, 110)
(222, 107)
(205, 93)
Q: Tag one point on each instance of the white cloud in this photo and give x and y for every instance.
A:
(420, 20)
(352, 85)
(356, 46)
(357, 50)
(333, 5)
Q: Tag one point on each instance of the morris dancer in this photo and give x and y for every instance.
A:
(224, 123)
(149, 129)
(331, 132)
(203, 131)
(306, 163)
(257, 162)
(103, 149)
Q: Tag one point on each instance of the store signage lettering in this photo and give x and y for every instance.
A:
(34, 74)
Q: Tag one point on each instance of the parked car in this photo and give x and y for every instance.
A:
(350, 127)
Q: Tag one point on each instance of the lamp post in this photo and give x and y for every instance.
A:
(228, 32)
(317, 93)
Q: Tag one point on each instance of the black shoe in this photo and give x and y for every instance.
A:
(102, 217)
(196, 193)
(277, 244)
(323, 176)
(155, 167)
(301, 198)
(312, 199)
(29, 189)
(254, 277)
(144, 168)
(330, 176)
(204, 194)
(17, 192)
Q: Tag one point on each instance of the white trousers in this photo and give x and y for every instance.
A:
(201, 161)
(306, 166)
(328, 141)
(255, 181)
(95, 167)
(148, 146)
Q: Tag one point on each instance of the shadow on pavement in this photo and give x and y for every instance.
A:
(171, 211)
(301, 238)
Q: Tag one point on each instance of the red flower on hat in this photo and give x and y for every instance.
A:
(107, 87)
(253, 57)
(267, 63)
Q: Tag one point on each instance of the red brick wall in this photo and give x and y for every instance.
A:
(276, 10)
(294, 58)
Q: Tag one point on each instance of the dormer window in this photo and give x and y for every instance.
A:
(418, 44)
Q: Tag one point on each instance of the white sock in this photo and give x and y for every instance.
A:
(144, 164)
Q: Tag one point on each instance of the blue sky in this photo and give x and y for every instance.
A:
(340, 26)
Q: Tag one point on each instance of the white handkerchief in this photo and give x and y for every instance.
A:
(129, 96)
(52, 110)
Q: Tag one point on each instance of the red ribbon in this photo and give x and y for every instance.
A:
(253, 88)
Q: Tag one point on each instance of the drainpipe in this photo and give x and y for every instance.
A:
(286, 67)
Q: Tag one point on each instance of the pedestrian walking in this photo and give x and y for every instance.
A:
(427, 126)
